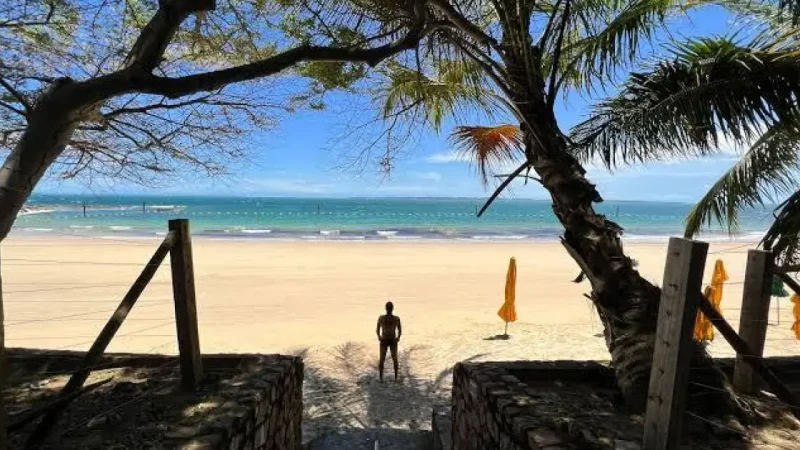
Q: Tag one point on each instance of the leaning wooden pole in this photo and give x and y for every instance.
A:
(185, 305)
(746, 354)
(669, 377)
(103, 339)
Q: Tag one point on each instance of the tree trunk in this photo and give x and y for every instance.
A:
(50, 125)
(626, 303)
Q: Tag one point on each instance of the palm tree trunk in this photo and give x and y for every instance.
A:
(626, 303)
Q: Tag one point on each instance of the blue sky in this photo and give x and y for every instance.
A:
(299, 158)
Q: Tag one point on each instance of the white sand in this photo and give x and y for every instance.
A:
(322, 299)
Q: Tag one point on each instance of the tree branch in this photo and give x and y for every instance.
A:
(465, 24)
(181, 86)
(20, 98)
(147, 51)
(11, 23)
(13, 109)
(502, 186)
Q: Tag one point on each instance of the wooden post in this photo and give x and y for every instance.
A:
(755, 314)
(103, 339)
(3, 374)
(683, 278)
(185, 306)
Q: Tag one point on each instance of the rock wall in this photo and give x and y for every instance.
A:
(492, 410)
(266, 413)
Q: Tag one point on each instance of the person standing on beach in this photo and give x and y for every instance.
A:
(389, 331)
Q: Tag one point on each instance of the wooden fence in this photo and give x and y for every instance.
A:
(178, 245)
(681, 299)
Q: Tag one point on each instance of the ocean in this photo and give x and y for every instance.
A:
(347, 219)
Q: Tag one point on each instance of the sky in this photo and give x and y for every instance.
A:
(306, 155)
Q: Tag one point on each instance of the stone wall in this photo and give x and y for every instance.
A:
(266, 414)
(493, 409)
(245, 402)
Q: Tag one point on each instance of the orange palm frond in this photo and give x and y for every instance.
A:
(488, 147)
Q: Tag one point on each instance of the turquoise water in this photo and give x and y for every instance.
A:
(357, 218)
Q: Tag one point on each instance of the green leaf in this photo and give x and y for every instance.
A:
(712, 88)
(455, 88)
(766, 170)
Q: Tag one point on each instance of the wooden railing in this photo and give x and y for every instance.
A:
(681, 298)
(177, 243)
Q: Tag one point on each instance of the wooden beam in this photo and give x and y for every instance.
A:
(787, 269)
(185, 305)
(669, 377)
(744, 352)
(103, 339)
(791, 282)
(755, 314)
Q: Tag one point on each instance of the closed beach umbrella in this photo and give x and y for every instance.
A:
(703, 329)
(718, 278)
(508, 312)
(796, 313)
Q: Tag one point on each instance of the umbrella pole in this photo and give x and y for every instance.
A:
(505, 332)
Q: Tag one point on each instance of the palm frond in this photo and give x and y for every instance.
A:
(456, 88)
(783, 237)
(766, 170)
(606, 35)
(488, 147)
(712, 88)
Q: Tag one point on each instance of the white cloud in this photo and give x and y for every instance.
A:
(429, 176)
(447, 157)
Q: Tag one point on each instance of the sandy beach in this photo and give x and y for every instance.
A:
(322, 299)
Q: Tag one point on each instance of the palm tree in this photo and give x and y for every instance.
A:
(530, 53)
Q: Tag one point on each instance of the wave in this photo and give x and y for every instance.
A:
(120, 228)
(165, 207)
(386, 233)
(330, 232)
(81, 227)
(255, 231)
(499, 237)
(32, 211)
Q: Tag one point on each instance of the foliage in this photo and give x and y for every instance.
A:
(711, 91)
(489, 147)
(144, 137)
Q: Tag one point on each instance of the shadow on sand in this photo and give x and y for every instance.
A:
(346, 407)
(498, 337)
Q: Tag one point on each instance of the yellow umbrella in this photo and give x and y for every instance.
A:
(703, 329)
(507, 312)
(718, 278)
(796, 313)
